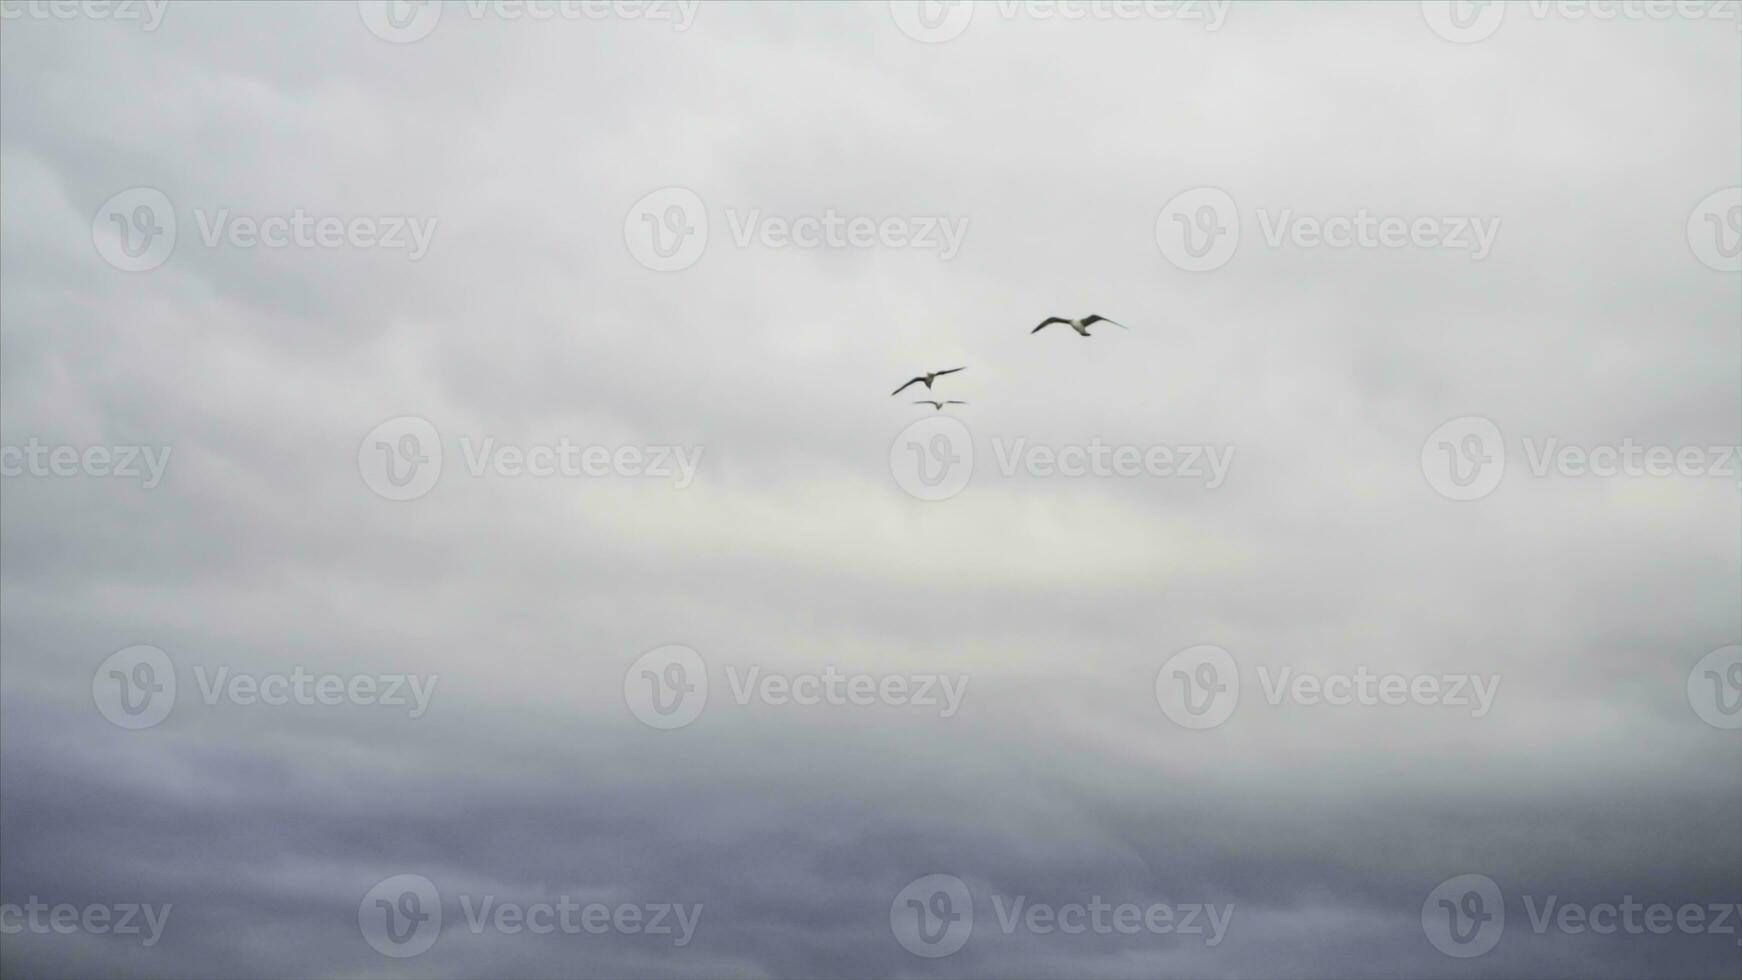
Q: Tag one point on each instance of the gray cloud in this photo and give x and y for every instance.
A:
(263, 551)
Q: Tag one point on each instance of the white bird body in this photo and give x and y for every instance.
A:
(925, 379)
(1080, 326)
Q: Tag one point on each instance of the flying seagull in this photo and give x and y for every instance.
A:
(1080, 326)
(926, 378)
(940, 405)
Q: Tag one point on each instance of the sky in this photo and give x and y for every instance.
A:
(454, 520)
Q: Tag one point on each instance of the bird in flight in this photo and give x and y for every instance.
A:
(926, 379)
(1080, 326)
(940, 405)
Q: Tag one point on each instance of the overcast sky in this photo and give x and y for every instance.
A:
(706, 244)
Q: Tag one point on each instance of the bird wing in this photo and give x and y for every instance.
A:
(951, 371)
(954, 402)
(1098, 318)
(1048, 322)
(939, 405)
(905, 387)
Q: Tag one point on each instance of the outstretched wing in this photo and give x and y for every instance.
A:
(951, 371)
(1098, 318)
(1049, 321)
(905, 387)
(954, 402)
(935, 404)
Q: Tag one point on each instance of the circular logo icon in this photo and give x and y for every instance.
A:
(932, 21)
(401, 459)
(1715, 688)
(1198, 687)
(1715, 230)
(1464, 916)
(1463, 21)
(667, 230)
(1465, 458)
(134, 231)
(933, 916)
(667, 687)
(401, 916)
(400, 21)
(135, 687)
(1198, 230)
(933, 459)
